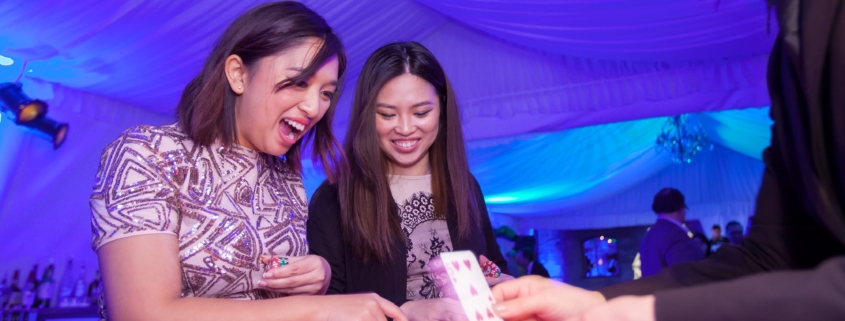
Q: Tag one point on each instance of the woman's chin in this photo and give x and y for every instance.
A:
(279, 151)
(276, 149)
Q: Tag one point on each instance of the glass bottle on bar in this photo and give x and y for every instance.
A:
(46, 288)
(94, 289)
(15, 296)
(4, 295)
(4, 291)
(66, 286)
(80, 299)
(29, 288)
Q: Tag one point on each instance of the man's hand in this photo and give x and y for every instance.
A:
(624, 308)
(539, 298)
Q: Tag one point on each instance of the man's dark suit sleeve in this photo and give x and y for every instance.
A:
(787, 295)
(324, 234)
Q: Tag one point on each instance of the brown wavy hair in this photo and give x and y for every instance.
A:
(206, 111)
(371, 224)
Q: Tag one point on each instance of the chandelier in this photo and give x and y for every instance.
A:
(682, 140)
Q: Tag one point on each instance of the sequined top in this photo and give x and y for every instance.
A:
(226, 207)
(426, 235)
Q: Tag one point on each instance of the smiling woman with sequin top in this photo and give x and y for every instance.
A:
(184, 216)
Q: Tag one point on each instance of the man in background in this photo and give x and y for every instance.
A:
(526, 260)
(506, 237)
(735, 233)
(668, 241)
(717, 239)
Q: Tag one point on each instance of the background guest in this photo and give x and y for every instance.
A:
(668, 242)
(735, 233)
(718, 240)
(526, 259)
(702, 242)
(507, 239)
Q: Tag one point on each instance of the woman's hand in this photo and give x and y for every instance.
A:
(443, 309)
(307, 275)
(493, 281)
(502, 278)
(358, 307)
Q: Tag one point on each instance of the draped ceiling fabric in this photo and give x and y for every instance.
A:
(144, 52)
(532, 77)
(654, 30)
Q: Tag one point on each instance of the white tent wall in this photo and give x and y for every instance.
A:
(44, 193)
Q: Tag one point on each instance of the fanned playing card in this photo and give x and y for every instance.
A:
(469, 284)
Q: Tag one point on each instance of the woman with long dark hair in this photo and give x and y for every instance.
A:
(187, 216)
(406, 194)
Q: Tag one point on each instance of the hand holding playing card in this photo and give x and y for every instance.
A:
(492, 273)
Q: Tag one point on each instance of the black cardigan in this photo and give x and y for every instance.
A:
(351, 275)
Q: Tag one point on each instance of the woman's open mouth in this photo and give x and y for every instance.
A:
(291, 129)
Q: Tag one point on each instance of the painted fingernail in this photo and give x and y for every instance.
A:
(262, 284)
(499, 307)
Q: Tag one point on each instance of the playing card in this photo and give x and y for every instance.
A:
(470, 285)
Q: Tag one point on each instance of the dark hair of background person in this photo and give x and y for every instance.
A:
(368, 211)
(206, 111)
(668, 200)
(728, 226)
(704, 239)
(527, 253)
(505, 232)
(716, 227)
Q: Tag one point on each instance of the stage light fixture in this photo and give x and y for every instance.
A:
(22, 107)
(30, 113)
(50, 129)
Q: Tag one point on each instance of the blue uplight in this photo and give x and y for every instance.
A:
(500, 199)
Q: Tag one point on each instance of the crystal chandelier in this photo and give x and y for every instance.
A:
(682, 140)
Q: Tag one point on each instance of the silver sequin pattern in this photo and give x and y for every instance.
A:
(226, 206)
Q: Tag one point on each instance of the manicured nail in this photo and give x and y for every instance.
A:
(267, 275)
(499, 307)
(262, 284)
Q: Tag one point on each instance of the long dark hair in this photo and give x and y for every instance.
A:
(206, 111)
(368, 211)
